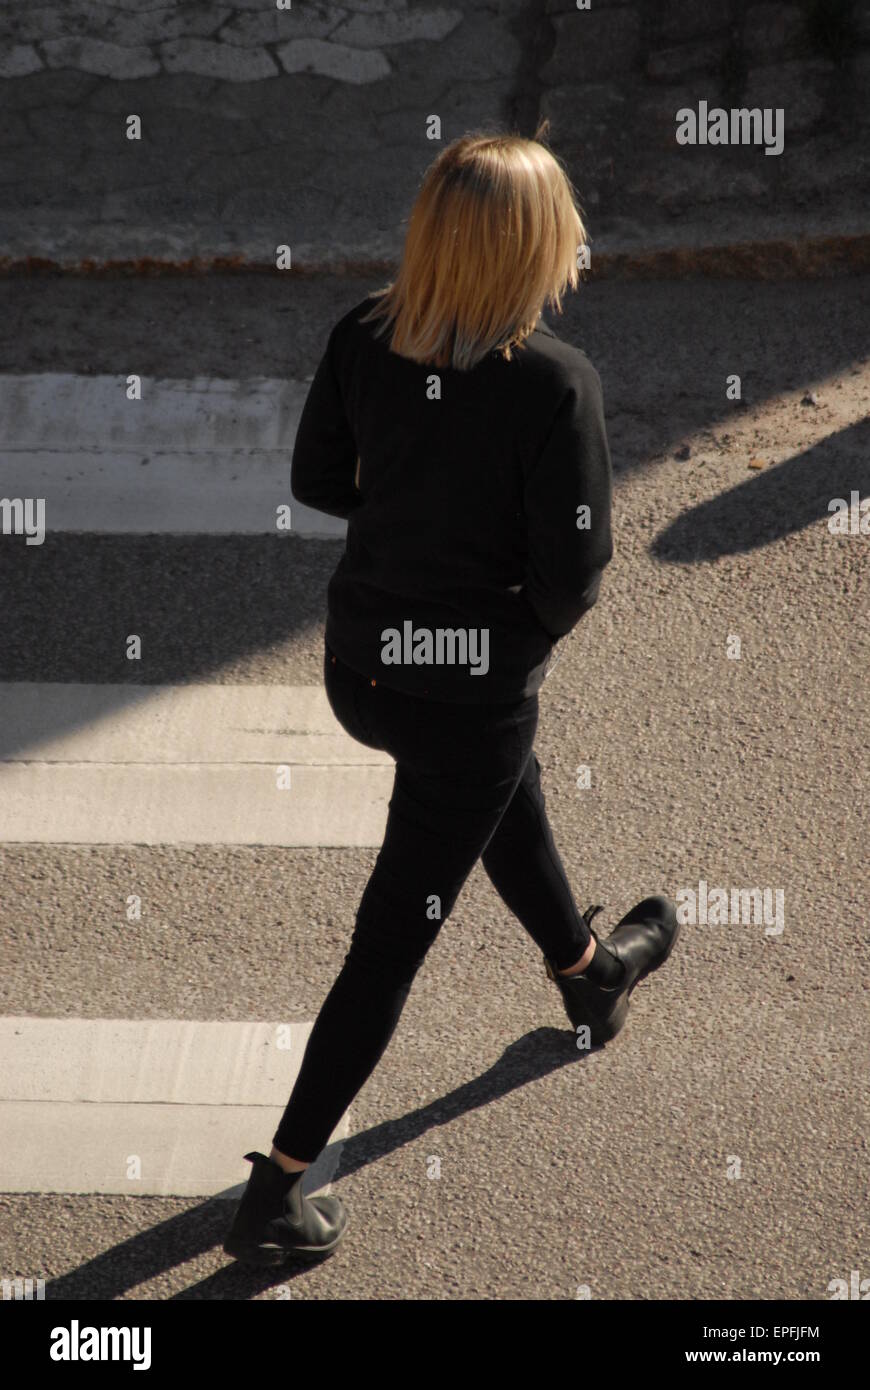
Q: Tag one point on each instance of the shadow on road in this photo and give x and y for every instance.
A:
(772, 504)
(203, 604)
(192, 1233)
(199, 603)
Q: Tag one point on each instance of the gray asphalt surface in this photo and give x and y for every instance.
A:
(557, 1170)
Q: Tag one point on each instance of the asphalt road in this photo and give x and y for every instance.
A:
(718, 1147)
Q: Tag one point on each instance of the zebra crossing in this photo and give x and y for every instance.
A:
(134, 455)
(165, 1106)
(198, 764)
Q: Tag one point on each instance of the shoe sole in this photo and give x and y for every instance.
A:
(616, 1022)
(269, 1255)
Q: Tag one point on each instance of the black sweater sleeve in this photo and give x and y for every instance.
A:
(324, 454)
(572, 470)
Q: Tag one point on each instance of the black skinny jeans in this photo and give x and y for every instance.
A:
(467, 785)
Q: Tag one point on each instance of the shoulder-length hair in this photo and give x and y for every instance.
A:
(494, 232)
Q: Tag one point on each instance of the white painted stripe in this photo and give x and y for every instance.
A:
(53, 410)
(108, 491)
(185, 1150)
(197, 456)
(79, 1098)
(213, 805)
(59, 722)
(92, 764)
(143, 1061)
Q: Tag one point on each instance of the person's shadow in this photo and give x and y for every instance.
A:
(774, 503)
(151, 1253)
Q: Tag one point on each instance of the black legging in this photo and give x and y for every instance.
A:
(467, 785)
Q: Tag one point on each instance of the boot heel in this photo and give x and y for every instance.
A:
(274, 1220)
(262, 1256)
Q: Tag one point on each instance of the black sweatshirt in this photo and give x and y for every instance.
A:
(468, 554)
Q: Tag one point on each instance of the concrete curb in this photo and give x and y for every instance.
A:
(814, 257)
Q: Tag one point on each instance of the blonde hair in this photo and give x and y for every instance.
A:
(493, 233)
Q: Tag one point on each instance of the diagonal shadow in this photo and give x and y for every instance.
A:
(774, 504)
(209, 603)
(200, 604)
(213, 604)
(151, 1253)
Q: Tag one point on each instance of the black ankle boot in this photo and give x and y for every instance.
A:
(642, 941)
(274, 1219)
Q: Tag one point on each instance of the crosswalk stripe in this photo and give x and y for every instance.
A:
(49, 409)
(124, 764)
(194, 764)
(112, 492)
(74, 722)
(84, 1103)
(197, 456)
(193, 806)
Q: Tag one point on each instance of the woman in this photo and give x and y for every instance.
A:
(465, 444)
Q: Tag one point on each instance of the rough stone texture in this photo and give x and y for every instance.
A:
(590, 45)
(168, 93)
(335, 60)
(103, 59)
(656, 117)
(591, 129)
(157, 205)
(700, 179)
(19, 61)
(374, 6)
(209, 58)
(57, 89)
(468, 105)
(90, 131)
(623, 151)
(235, 4)
(14, 130)
(381, 30)
(797, 87)
(704, 55)
(774, 29)
(553, 7)
(589, 105)
(25, 24)
(135, 165)
(826, 168)
(229, 160)
(147, 4)
(678, 21)
(860, 72)
(109, 23)
(500, 9)
(153, 26)
(478, 50)
(277, 26)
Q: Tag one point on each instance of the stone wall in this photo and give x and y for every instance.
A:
(615, 76)
(262, 126)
